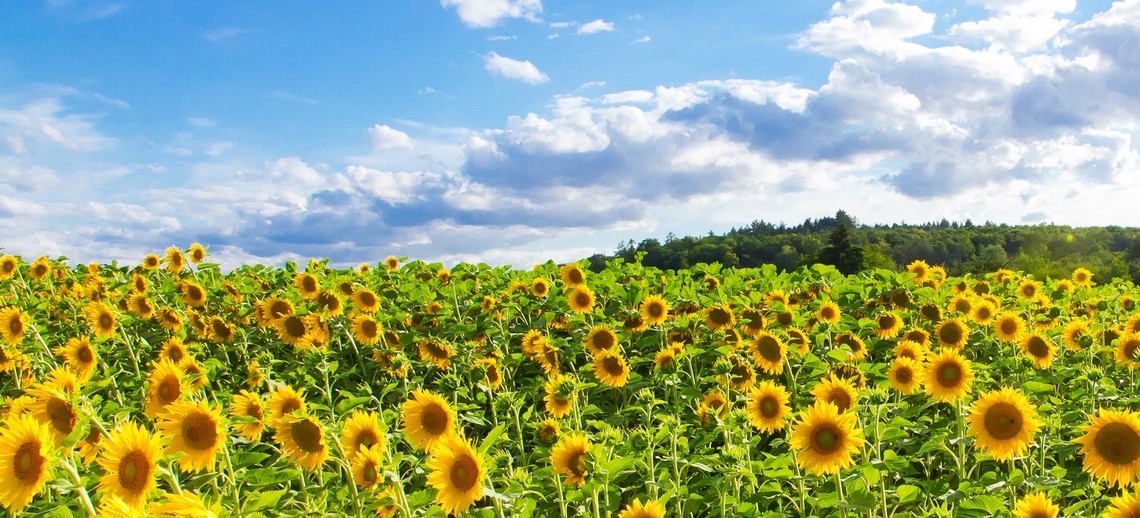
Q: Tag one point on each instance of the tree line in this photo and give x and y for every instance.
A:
(1044, 250)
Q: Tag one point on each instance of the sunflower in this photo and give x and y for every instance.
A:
(798, 338)
(365, 301)
(572, 274)
(1009, 326)
(293, 330)
(307, 285)
(654, 310)
(828, 312)
(769, 351)
(492, 373)
(569, 458)
(650, 509)
(8, 266)
(838, 391)
(39, 268)
(220, 331)
(427, 419)
(90, 444)
(930, 312)
(920, 270)
(195, 374)
(175, 261)
(248, 412)
(539, 287)
(665, 359)
(1082, 277)
(1036, 505)
(559, 398)
(548, 430)
(151, 262)
(129, 460)
(961, 303)
(1003, 422)
(79, 356)
(1039, 349)
(102, 319)
(581, 299)
(169, 319)
(1126, 505)
(742, 376)
(196, 253)
(853, 342)
(456, 472)
(825, 439)
(1029, 289)
(26, 456)
(713, 406)
(910, 349)
(905, 374)
(719, 317)
(368, 466)
(436, 352)
(1111, 446)
(600, 339)
(547, 357)
(302, 438)
(752, 321)
(361, 431)
(768, 408)
(55, 409)
(983, 312)
(1078, 334)
(13, 324)
(283, 402)
(888, 325)
(611, 368)
(953, 334)
(195, 429)
(177, 505)
(166, 384)
(948, 376)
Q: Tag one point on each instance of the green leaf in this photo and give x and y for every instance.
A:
(908, 493)
(264, 500)
(491, 438)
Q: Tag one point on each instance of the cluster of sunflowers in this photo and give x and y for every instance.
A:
(170, 388)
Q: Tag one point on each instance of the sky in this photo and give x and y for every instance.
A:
(512, 132)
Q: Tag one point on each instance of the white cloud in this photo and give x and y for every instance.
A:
(201, 122)
(643, 39)
(488, 13)
(382, 136)
(596, 26)
(44, 122)
(524, 71)
(226, 33)
(561, 25)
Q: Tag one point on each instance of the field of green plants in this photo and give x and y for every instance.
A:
(402, 388)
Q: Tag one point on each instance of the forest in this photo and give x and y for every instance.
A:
(1044, 251)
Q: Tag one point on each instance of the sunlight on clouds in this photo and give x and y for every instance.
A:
(524, 71)
(488, 13)
(382, 136)
(596, 26)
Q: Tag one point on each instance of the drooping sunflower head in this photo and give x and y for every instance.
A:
(27, 452)
(768, 406)
(1078, 334)
(302, 439)
(129, 460)
(284, 402)
(930, 312)
(559, 398)
(852, 342)
(195, 429)
(427, 419)
(712, 407)
(1111, 446)
(769, 352)
(752, 321)
(1003, 423)
(825, 439)
(570, 458)
(948, 376)
(175, 260)
(248, 413)
(654, 309)
(436, 352)
(55, 409)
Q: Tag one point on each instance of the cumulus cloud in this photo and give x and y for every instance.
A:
(524, 71)
(596, 26)
(488, 13)
(382, 136)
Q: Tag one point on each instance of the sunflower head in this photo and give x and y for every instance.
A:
(195, 429)
(129, 460)
(570, 458)
(769, 353)
(1003, 423)
(302, 438)
(948, 376)
(768, 408)
(457, 472)
(654, 309)
(427, 419)
(27, 452)
(1111, 446)
(825, 439)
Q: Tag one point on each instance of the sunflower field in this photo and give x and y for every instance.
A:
(403, 388)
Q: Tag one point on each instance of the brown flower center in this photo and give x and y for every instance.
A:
(612, 365)
(464, 472)
(1038, 348)
(62, 417)
(433, 419)
(134, 471)
(769, 349)
(949, 375)
(307, 435)
(825, 439)
(1003, 421)
(200, 431)
(1117, 443)
(28, 462)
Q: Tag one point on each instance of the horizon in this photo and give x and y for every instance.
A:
(520, 131)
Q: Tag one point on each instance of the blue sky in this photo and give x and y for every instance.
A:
(516, 131)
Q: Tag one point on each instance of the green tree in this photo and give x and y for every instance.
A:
(840, 252)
